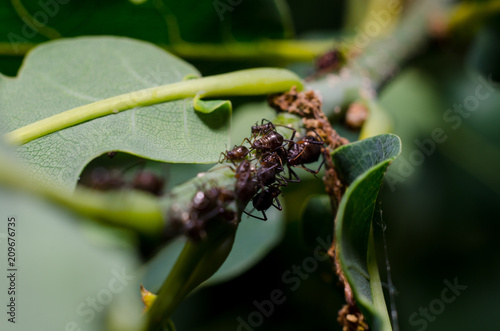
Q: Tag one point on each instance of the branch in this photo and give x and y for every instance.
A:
(264, 50)
(377, 62)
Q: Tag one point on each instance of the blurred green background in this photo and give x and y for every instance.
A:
(441, 213)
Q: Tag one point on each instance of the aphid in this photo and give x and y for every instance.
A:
(205, 206)
(330, 61)
(111, 154)
(266, 175)
(245, 185)
(264, 200)
(238, 153)
(306, 150)
(103, 179)
(148, 182)
(270, 141)
(272, 164)
(277, 157)
(262, 129)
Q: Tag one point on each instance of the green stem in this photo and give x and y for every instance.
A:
(33, 23)
(133, 210)
(172, 291)
(127, 209)
(269, 50)
(244, 82)
(470, 15)
(197, 262)
(379, 60)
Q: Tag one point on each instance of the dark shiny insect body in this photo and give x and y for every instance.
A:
(306, 150)
(272, 164)
(264, 200)
(270, 141)
(148, 182)
(277, 157)
(266, 175)
(103, 179)
(262, 129)
(238, 153)
(205, 206)
(245, 185)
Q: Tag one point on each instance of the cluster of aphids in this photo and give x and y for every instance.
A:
(265, 165)
(103, 179)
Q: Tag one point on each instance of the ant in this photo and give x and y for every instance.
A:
(306, 150)
(264, 200)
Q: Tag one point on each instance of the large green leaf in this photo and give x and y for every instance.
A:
(65, 74)
(362, 166)
(63, 260)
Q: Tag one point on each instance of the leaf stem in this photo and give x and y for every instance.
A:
(382, 317)
(197, 262)
(244, 82)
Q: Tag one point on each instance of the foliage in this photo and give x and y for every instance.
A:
(119, 82)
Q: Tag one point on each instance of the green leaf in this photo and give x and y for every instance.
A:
(62, 259)
(362, 165)
(209, 106)
(65, 74)
(355, 159)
